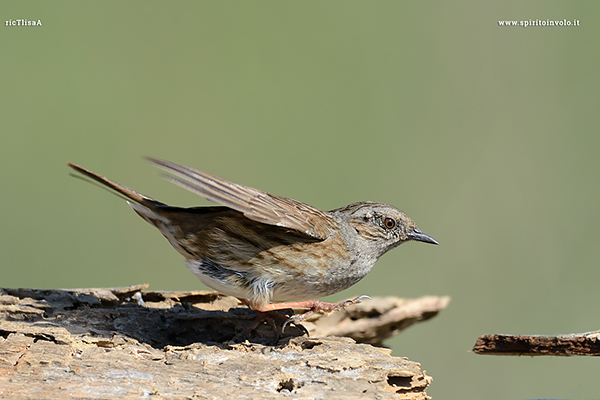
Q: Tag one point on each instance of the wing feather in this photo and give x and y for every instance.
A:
(253, 203)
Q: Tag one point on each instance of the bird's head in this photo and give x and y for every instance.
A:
(381, 227)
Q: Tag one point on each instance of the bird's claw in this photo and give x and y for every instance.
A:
(318, 306)
(357, 300)
(296, 319)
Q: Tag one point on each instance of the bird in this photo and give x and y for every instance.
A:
(272, 253)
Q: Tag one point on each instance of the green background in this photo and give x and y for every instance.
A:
(486, 136)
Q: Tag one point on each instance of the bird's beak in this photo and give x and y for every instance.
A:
(421, 237)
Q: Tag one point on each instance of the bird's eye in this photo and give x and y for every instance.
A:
(389, 223)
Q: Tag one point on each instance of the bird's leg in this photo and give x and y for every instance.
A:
(270, 316)
(260, 317)
(269, 312)
(313, 306)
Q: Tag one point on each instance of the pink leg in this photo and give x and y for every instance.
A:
(269, 313)
(271, 316)
(312, 306)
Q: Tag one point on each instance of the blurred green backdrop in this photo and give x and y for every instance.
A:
(486, 135)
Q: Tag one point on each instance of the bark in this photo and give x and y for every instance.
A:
(581, 344)
(131, 343)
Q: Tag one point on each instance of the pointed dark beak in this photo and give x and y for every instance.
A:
(421, 237)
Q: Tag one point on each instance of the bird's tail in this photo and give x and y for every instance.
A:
(125, 191)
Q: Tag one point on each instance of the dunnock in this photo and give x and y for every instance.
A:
(271, 252)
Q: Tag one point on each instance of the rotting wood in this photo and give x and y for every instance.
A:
(99, 343)
(580, 344)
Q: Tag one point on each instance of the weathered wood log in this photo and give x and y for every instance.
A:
(580, 344)
(103, 343)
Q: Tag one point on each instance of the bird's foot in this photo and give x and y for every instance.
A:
(273, 317)
(315, 306)
(270, 314)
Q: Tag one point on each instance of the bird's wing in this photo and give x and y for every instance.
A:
(253, 203)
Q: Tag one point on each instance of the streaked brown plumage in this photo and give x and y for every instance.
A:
(264, 248)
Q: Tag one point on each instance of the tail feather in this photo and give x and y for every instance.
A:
(125, 191)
